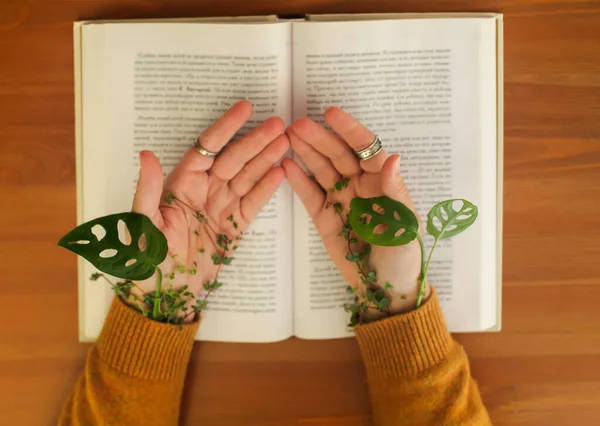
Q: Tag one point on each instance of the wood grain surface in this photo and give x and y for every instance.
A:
(542, 369)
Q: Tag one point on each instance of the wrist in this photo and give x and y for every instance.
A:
(400, 303)
(186, 314)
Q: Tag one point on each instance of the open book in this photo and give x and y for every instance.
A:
(429, 85)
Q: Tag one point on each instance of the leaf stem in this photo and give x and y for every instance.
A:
(424, 267)
(360, 269)
(157, 294)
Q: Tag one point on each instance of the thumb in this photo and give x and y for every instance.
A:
(392, 183)
(149, 186)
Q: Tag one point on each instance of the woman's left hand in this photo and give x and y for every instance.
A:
(331, 158)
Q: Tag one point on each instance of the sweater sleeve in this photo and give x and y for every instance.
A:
(133, 374)
(417, 374)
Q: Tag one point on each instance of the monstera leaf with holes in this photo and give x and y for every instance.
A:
(444, 220)
(383, 221)
(134, 261)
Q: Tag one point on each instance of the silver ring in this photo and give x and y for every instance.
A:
(370, 151)
(202, 150)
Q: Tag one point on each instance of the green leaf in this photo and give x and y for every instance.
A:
(383, 303)
(128, 261)
(391, 223)
(450, 221)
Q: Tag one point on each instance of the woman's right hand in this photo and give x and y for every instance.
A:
(213, 200)
(331, 158)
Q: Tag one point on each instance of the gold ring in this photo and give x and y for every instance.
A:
(203, 151)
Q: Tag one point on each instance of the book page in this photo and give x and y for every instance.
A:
(163, 85)
(427, 88)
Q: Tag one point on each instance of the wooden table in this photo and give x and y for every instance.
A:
(542, 369)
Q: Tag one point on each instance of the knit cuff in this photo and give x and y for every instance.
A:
(405, 345)
(140, 347)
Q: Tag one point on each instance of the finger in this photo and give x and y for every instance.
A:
(254, 171)
(253, 202)
(317, 163)
(328, 144)
(392, 183)
(311, 194)
(236, 155)
(150, 185)
(356, 135)
(215, 137)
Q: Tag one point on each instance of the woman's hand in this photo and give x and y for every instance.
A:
(207, 196)
(331, 158)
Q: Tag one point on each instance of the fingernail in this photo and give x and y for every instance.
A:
(397, 166)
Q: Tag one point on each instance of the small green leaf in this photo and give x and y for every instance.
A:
(388, 286)
(451, 221)
(201, 250)
(198, 215)
(383, 303)
(396, 225)
(128, 261)
(223, 241)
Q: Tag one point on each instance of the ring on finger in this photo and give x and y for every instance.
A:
(370, 151)
(203, 151)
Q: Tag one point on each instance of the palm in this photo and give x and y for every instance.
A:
(331, 158)
(206, 197)
(192, 240)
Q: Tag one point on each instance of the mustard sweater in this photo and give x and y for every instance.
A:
(417, 374)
